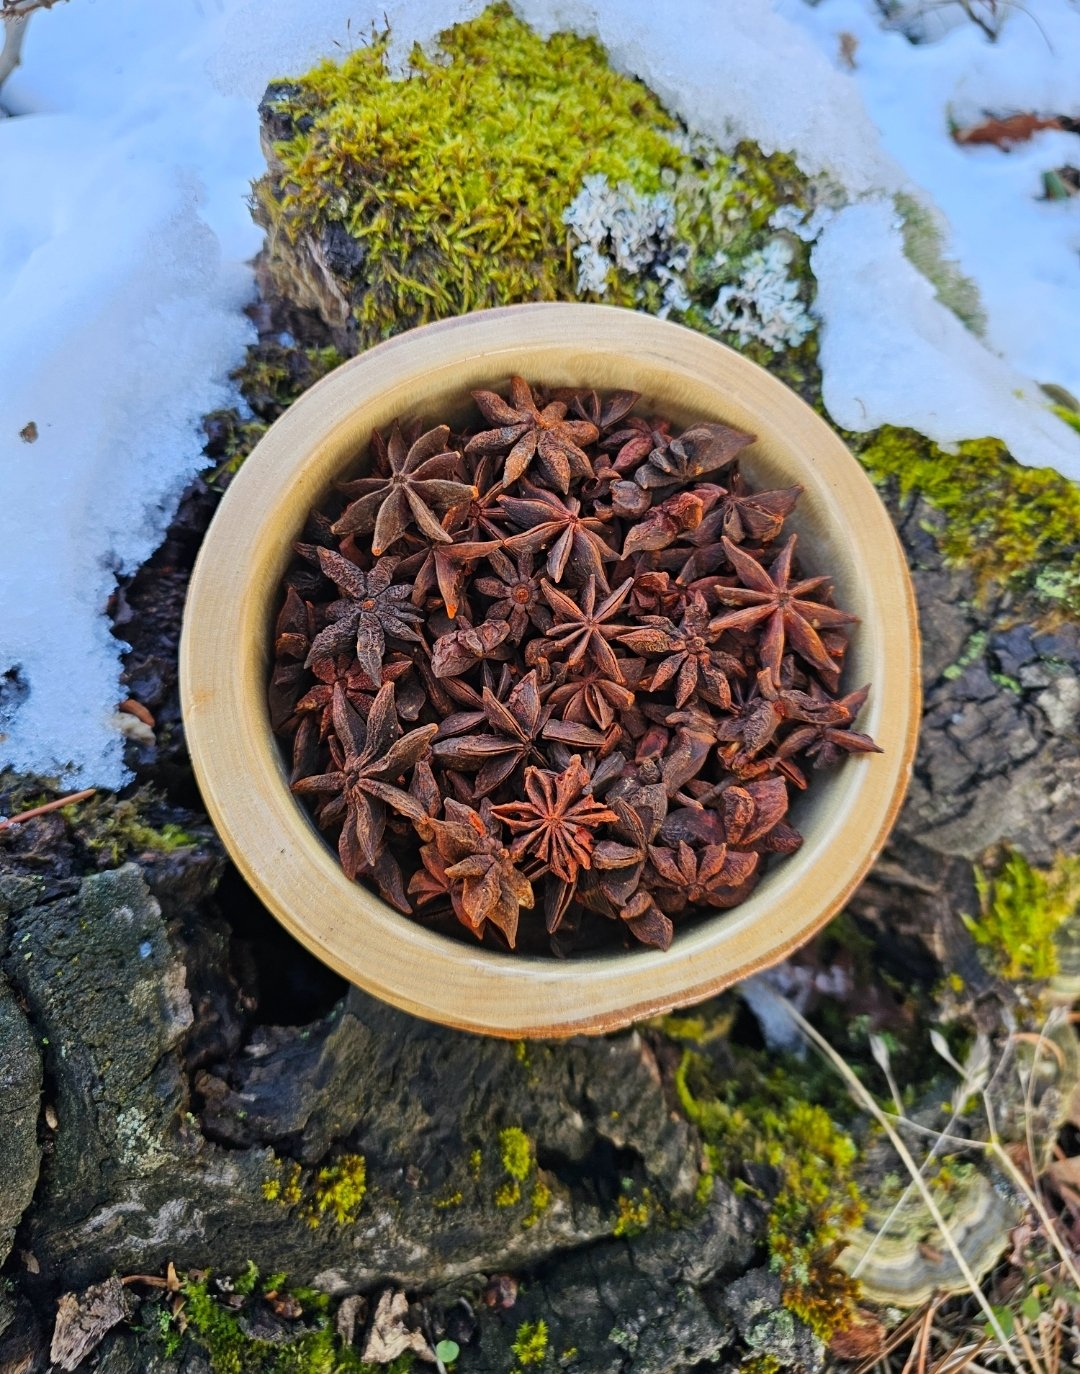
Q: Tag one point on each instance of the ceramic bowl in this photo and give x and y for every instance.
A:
(235, 595)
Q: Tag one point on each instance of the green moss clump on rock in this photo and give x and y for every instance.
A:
(1012, 525)
(451, 183)
(761, 1116)
(334, 1192)
(219, 1331)
(1021, 911)
(394, 200)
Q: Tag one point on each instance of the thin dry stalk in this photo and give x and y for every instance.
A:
(54, 805)
(867, 1102)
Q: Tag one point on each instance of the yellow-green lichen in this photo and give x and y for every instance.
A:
(1020, 911)
(335, 1191)
(530, 1343)
(449, 1200)
(632, 1215)
(762, 1117)
(1012, 525)
(516, 1157)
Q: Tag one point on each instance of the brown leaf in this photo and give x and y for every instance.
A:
(1006, 132)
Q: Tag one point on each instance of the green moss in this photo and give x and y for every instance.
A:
(217, 1331)
(515, 1152)
(451, 184)
(924, 246)
(530, 1343)
(1020, 911)
(335, 1191)
(1012, 525)
(112, 830)
(760, 1115)
(760, 1364)
(540, 1200)
(339, 1190)
(270, 380)
(971, 653)
(1070, 416)
(454, 179)
(516, 1157)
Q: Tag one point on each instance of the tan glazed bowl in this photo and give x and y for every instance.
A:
(235, 595)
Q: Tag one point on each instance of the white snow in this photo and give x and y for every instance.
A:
(1024, 252)
(889, 348)
(124, 232)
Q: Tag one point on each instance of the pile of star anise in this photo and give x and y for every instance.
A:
(562, 661)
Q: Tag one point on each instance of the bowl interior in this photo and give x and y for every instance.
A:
(842, 528)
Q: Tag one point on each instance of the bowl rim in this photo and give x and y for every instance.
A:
(224, 661)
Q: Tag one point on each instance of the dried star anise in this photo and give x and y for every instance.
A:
(370, 610)
(529, 432)
(421, 476)
(556, 820)
(617, 762)
(370, 756)
(469, 861)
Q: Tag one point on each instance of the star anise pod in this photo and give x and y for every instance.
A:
(633, 443)
(745, 514)
(556, 821)
(826, 740)
(447, 567)
(370, 610)
(689, 655)
(293, 633)
(749, 817)
(773, 597)
(529, 432)
(514, 724)
(455, 653)
(612, 887)
(515, 592)
(672, 519)
(704, 448)
(595, 696)
(370, 757)
(603, 412)
(575, 540)
(716, 875)
(421, 477)
(468, 860)
(358, 687)
(582, 628)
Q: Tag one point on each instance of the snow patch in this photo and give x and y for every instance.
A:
(890, 349)
(135, 324)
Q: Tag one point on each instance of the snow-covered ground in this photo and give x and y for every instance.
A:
(124, 235)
